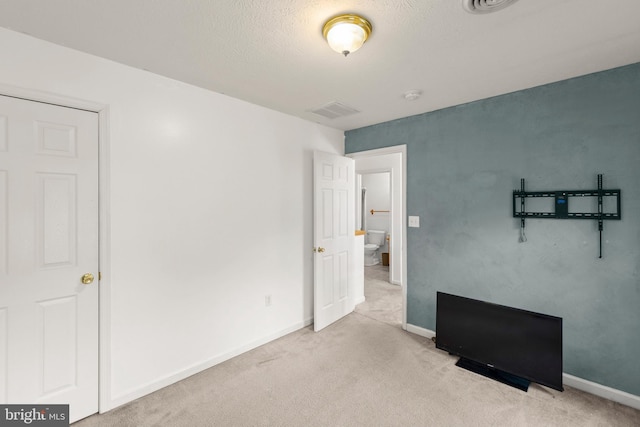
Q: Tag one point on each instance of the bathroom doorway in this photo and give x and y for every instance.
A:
(387, 297)
(373, 207)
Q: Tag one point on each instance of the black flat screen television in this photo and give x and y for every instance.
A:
(510, 345)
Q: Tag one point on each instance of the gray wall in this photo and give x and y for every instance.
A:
(463, 164)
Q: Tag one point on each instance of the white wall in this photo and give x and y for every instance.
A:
(210, 210)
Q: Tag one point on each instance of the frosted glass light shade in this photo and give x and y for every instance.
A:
(346, 33)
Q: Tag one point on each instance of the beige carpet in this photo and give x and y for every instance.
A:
(383, 301)
(357, 372)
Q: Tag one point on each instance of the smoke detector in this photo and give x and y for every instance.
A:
(412, 95)
(485, 6)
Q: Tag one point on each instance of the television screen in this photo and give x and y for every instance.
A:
(515, 341)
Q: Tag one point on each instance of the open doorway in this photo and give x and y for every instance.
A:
(374, 205)
(385, 280)
(382, 298)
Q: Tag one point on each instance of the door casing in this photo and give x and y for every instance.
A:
(402, 149)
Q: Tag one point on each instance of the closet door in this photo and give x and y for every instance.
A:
(48, 255)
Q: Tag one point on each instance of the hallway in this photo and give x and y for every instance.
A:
(383, 300)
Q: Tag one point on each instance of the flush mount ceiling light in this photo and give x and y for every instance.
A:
(346, 33)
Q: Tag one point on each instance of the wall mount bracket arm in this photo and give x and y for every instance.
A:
(561, 205)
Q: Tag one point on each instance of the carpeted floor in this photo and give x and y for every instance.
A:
(383, 301)
(364, 370)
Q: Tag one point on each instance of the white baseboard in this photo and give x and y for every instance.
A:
(359, 301)
(587, 386)
(427, 333)
(609, 393)
(156, 385)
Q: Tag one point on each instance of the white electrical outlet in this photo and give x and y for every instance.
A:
(414, 221)
(267, 300)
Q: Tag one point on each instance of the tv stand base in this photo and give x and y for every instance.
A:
(495, 374)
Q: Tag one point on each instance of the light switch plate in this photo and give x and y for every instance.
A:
(414, 221)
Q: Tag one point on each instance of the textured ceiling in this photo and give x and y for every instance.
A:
(271, 52)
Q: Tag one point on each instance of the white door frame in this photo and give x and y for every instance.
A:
(104, 317)
(402, 149)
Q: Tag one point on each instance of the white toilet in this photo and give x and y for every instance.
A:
(375, 239)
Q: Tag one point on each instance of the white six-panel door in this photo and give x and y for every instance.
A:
(334, 234)
(48, 242)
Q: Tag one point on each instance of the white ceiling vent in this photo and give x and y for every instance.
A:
(333, 110)
(485, 6)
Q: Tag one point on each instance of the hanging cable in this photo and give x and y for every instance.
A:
(523, 237)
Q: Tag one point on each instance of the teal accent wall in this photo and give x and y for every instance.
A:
(463, 164)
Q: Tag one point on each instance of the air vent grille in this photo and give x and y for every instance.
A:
(486, 6)
(333, 110)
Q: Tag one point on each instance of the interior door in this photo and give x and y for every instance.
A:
(334, 235)
(48, 248)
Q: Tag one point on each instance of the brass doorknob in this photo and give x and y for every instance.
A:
(87, 279)
(320, 249)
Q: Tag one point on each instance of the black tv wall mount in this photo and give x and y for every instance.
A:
(561, 206)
